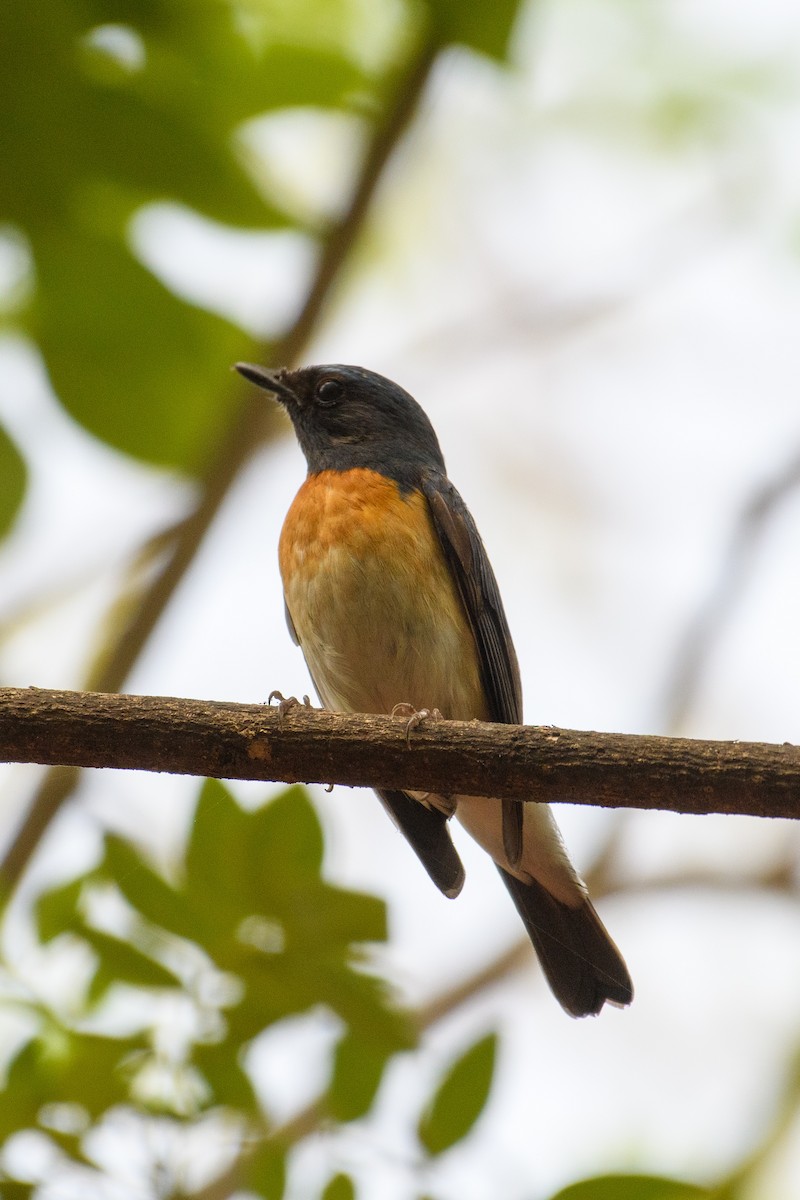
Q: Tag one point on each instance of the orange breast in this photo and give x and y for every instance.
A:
(359, 510)
(372, 600)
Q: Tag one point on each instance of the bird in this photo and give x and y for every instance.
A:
(390, 595)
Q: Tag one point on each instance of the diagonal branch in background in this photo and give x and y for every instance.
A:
(241, 741)
(251, 425)
(698, 641)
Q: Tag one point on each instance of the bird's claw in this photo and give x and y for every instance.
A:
(415, 717)
(287, 703)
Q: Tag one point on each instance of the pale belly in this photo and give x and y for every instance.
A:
(378, 617)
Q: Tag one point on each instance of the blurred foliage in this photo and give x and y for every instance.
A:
(246, 934)
(632, 1187)
(110, 105)
(340, 1188)
(179, 978)
(484, 27)
(12, 482)
(460, 1098)
(176, 979)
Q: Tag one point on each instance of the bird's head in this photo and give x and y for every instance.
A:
(348, 417)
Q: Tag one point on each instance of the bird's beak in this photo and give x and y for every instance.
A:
(270, 381)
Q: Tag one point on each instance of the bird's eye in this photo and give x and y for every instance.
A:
(329, 391)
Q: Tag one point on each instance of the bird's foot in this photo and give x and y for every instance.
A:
(415, 717)
(287, 703)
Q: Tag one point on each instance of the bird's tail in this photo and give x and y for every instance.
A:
(580, 961)
(428, 834)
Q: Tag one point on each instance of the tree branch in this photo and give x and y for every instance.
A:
(241, 741)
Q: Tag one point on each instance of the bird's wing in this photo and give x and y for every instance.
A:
(290, 625)
(477, 586)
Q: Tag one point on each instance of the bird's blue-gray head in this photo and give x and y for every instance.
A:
(347, 417)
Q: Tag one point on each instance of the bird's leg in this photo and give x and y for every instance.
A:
(415, 717)
(287, 703)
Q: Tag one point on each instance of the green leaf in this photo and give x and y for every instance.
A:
(215, 862)
(90, 138)
(308, 75)
(23, 1098)
(365, 1003)
(218, 839)
(61, 1065)
(13, 476)
(632, 1187)
(484, 27)
(264, 863)
(150, 128)
(358, 1066)
(266, 1172)
(229, 1084)
(121, 962)
(57, 910)
(272, 990)
(348, 917)
(146, 891)
(68, 1143)
(341, 1187)
(14, 1190)
(285, 834)
(460, 1098)
(277, 985)
(139, 368)
(328, 918)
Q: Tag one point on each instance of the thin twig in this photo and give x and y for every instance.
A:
(698, 641)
